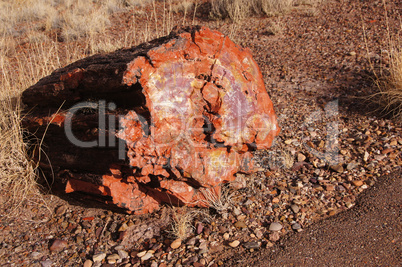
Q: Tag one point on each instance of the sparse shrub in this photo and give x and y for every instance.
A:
(182, 221)
(221, 201)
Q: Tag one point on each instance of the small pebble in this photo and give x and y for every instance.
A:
(58, 245)
(99, 257)
(147, 256)
(357, 183)
(337, 168)
(36, 255)
(46, 263)
(330, 187)
(275, 200)
(175, 244)
(331, 213)
(351, 166)
(274, 236)
(226, 236)
(123, 227)
(251, 245)
(200, 227)
(112, 259)
(234, 243)
(123, 254)
(88, 263)
(296, 226)
(60, 210)
(240, 224)
(142, 253)
(191, 241)
(275, 226)
(301, 157)
(295, 208)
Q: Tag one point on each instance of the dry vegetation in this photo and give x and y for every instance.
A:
(182, 221)
(39, 36)
(238, 10)
(388, 78)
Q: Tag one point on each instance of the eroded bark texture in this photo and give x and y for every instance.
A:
(191, 107)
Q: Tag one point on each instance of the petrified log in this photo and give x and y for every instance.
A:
(168, 121)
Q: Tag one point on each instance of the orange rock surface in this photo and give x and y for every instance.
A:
(206, 108)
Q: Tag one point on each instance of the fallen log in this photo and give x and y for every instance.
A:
(168, 121)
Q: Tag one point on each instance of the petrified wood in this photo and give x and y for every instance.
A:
(168, 121)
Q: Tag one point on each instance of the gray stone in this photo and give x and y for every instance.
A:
(295, 208)
(147, 256)
(351, 166)
(36, 255)
(123, 254)
(99, 257)
(296, 226)
(275, 226)
(251, 245)
(46, 263)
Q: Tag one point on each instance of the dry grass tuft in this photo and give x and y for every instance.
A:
(182, 221)
(222, 202)
(388, 78)
(17, 173)
(238, 10)
(83, 26)
(390, 87)
(276, 7)
(39, 36)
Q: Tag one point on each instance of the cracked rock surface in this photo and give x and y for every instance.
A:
(191, 107)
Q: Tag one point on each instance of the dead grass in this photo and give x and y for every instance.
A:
(222, 202)
(39, 36)
(182, 221)
(238, 10)
(388, 76)
(17, 173)
(389, 96)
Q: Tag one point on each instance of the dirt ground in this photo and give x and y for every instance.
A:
(313, 59)
(369, 234)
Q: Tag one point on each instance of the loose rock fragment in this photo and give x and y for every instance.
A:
(275, 226)
(357, 183)
(234, 243)
(99, 257)
(88, 263)
(176, 244)
(58, 245)
(191, 107)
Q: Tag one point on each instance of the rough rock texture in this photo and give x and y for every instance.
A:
(191, 106)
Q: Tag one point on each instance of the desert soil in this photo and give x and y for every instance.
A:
(300, 209)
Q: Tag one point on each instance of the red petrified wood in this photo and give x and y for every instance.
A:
(191, 106)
